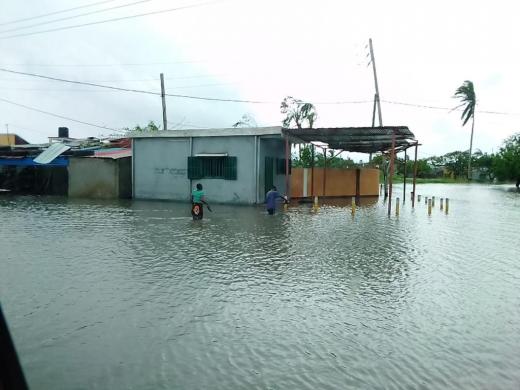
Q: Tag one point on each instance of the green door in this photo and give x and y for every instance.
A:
(269, 174)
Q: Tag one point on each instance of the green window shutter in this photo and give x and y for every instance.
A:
(230, 168)
(194, 168)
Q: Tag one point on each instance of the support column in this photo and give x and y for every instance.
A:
(312, 170)
(404, 180)
(358, 184)
(391, 174)
(414, 174)
(287, 156)
(324, 170)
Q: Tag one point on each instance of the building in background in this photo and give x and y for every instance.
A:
(11, 140)
(105, 175)
(237, 165)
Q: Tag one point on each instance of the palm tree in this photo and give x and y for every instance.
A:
(297, 111)
(466, 94)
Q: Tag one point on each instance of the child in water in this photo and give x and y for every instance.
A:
(198, 201)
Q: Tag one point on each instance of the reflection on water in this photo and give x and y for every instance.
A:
(137, 295)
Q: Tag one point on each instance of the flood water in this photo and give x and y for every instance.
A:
(135, 295)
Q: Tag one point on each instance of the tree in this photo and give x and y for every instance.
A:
(305, 160)
(247, 120)
(506, 164)
(466, 94)
(150, 127)
(297, 111)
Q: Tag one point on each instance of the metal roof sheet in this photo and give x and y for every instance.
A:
(51, 153)
(113, 153)
(355, 139)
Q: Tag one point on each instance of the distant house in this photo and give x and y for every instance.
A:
(11, 140)
(236, 165)
(105, 175)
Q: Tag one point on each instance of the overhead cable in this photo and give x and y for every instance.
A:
(74, 16)
(58, 115)
(447, 108)
(111, 20)
(56, 12)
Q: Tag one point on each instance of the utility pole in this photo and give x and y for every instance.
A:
(377, 106)
(163, 96)
(377, 100)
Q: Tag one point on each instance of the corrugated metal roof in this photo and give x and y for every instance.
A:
(51, 153)
(113, 153)
(356, 139)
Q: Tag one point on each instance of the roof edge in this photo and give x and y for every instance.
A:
(217, 132)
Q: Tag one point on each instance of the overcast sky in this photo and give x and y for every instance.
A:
(263, 51)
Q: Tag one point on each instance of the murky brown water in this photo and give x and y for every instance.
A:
(135, 295)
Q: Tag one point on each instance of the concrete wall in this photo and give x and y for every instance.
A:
(93, 178)
(241, 190)
(338, 182)
(101, 178)
(160, 168)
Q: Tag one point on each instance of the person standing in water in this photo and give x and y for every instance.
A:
(270, 200)
(198, 201)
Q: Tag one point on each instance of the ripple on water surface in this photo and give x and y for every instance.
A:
(136, 295)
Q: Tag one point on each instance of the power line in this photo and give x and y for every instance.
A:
(75, 16)
(447, 108)
(79, 82)
(106, 65)
(57, 115)
(111, 20)
(135, 90)
(56, 12)
(205, 98)
(26, 128)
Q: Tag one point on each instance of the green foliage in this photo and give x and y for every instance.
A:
(466, 94)
(424, 170)
(506, 164)
(150, 127)
(333, 161)
(297, 111)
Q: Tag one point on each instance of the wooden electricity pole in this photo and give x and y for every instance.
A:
(377, 106)
(163, 97)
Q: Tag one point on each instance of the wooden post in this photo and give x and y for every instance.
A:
(442, 204)
(163, 97)
(414, 175)
(429, 207)
(358, 184)
(312, 169)
(404, 179)
(353, 206)
(397, 207)
(391, 173)
(446, 209)
(324, 170)
(287, 156)
(376, 97)
(385, 176)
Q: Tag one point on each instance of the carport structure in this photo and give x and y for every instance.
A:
(388, 140)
